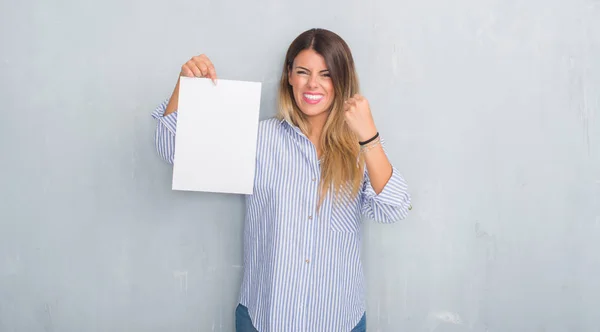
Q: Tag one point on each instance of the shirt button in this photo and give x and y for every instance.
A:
(313, 179)
(309, 217)
(307, 261)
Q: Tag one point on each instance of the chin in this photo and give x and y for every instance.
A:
(314, 110)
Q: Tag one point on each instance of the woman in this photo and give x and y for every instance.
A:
(320, 166)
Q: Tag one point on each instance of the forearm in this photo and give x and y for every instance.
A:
(378, 167)
(385, 196)
(173, 101)
(166, 113)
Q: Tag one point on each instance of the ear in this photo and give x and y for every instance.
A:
(290, 75)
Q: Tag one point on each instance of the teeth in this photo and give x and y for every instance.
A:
(313, 97)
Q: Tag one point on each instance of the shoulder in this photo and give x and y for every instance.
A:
(268, 128)
(270, 132)
(271, 122)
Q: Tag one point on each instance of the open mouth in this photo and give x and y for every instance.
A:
(312, 98)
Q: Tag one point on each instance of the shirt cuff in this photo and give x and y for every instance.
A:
(394, 193)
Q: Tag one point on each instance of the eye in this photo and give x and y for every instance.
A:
(327, 75)
(301, 72)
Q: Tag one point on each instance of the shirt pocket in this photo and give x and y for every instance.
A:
(345, 216)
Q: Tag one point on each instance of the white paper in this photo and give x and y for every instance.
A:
(217, 126)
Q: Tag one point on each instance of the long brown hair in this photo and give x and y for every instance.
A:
(342, 164)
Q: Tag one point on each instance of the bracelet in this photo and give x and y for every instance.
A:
(368, 146)
(369, 140)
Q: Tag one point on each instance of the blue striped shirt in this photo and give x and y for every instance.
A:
(302, 267)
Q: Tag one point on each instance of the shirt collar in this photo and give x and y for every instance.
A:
(284, 122)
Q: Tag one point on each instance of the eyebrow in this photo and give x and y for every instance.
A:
(300, 67)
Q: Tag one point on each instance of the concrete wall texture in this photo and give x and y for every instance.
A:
(489, 108)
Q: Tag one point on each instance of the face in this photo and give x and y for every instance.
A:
(311, 83)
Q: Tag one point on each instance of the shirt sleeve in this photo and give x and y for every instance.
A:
(391, 204)
(166, 128)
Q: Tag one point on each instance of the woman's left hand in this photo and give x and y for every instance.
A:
(359, 118)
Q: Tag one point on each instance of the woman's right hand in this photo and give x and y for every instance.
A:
(199, 66)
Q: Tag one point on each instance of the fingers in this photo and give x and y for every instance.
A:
(190, 69)
(187, 71)
(196, 69)
(206, 67)
(355, 103)
(200, 63)
(212, 73)
(347, 104)
(203, 68)
(199, 66)
(351, 102)
(355, 99)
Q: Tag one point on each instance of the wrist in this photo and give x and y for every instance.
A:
(367, 133)
(368, 139)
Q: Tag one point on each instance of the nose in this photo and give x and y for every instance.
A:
(312, 81)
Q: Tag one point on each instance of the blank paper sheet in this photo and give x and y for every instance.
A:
(217, 126)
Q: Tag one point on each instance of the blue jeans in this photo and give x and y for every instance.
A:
(243, 323)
